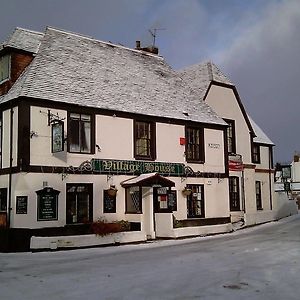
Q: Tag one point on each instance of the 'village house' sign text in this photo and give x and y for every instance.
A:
(137, 167)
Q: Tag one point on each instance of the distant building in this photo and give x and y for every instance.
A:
(94, 130)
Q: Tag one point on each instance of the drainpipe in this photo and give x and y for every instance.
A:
(270, 183)
(10, 169)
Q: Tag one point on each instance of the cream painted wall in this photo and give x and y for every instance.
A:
(115, 137)
(216, 197)
(264, 158)
(265, 189)
(40, 144)
(167, 142)
(224, 103)
(6, 138)
(214, 150)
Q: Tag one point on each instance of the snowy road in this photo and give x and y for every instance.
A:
(256, 263)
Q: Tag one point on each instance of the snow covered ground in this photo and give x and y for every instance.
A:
(261, 262)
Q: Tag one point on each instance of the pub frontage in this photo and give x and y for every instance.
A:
(83, 149)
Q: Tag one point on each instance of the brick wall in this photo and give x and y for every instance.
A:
(19, 61)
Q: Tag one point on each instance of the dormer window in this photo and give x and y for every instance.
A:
(4, 68)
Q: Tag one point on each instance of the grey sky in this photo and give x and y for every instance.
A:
(256, 43)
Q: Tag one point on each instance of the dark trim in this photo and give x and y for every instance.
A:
(268, 171)
(232, 123)
(9, 50)
(23, 136)
(237, 96)
(64, 170)
(249, 166)
(1, 140)
(203, 222)
(226, 154)
(106, 112)
(9, 208)
(270, 178)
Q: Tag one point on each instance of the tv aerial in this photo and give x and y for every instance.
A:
(153, 32)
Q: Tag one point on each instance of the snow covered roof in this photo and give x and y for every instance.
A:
(199, 76)
(261, 137)
(80, 70)
(23, 39)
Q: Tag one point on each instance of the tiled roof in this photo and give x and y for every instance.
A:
(199, 76)
(261, 137)
(80, 70)
(23, 39)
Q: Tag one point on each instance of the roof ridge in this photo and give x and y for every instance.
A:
(103, 42)
(29, 30)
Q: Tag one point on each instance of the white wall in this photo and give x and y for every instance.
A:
(224, 103)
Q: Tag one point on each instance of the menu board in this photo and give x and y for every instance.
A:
(47, 208)
(21, 204)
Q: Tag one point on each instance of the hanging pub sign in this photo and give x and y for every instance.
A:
(21, 204)
(47, 204)
(57, 136)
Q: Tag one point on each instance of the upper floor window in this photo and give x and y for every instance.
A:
(231, 136)
(80, 133)
(256, 154)
(4, 68)
(194, 144)
(144, 140)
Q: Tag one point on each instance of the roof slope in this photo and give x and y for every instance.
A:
(80, 70)
(261, 137)
(199, 76)
(23, 39)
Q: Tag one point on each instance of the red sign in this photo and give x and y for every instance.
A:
(235, 165)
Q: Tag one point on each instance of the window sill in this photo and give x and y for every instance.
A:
(195, 161)
(144, 158)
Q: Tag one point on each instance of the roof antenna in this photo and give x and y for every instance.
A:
(153, 33)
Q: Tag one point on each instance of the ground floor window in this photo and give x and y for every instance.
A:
(79, 203)
(109, 202)
(195, 201)
(234, 193)
(3, 207)
(133, 200)
(258, 195)
(3, 199)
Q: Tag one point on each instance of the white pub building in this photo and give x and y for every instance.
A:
(91, 130)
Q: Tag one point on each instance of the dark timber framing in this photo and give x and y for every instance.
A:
(24, 104)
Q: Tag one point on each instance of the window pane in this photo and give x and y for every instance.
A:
(79, 133)
(4, 67)
(143, 139)
(193, 144)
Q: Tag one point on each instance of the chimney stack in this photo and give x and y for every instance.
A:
(150, 49)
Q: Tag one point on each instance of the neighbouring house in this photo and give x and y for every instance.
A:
(92, 130)
(250, 151)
